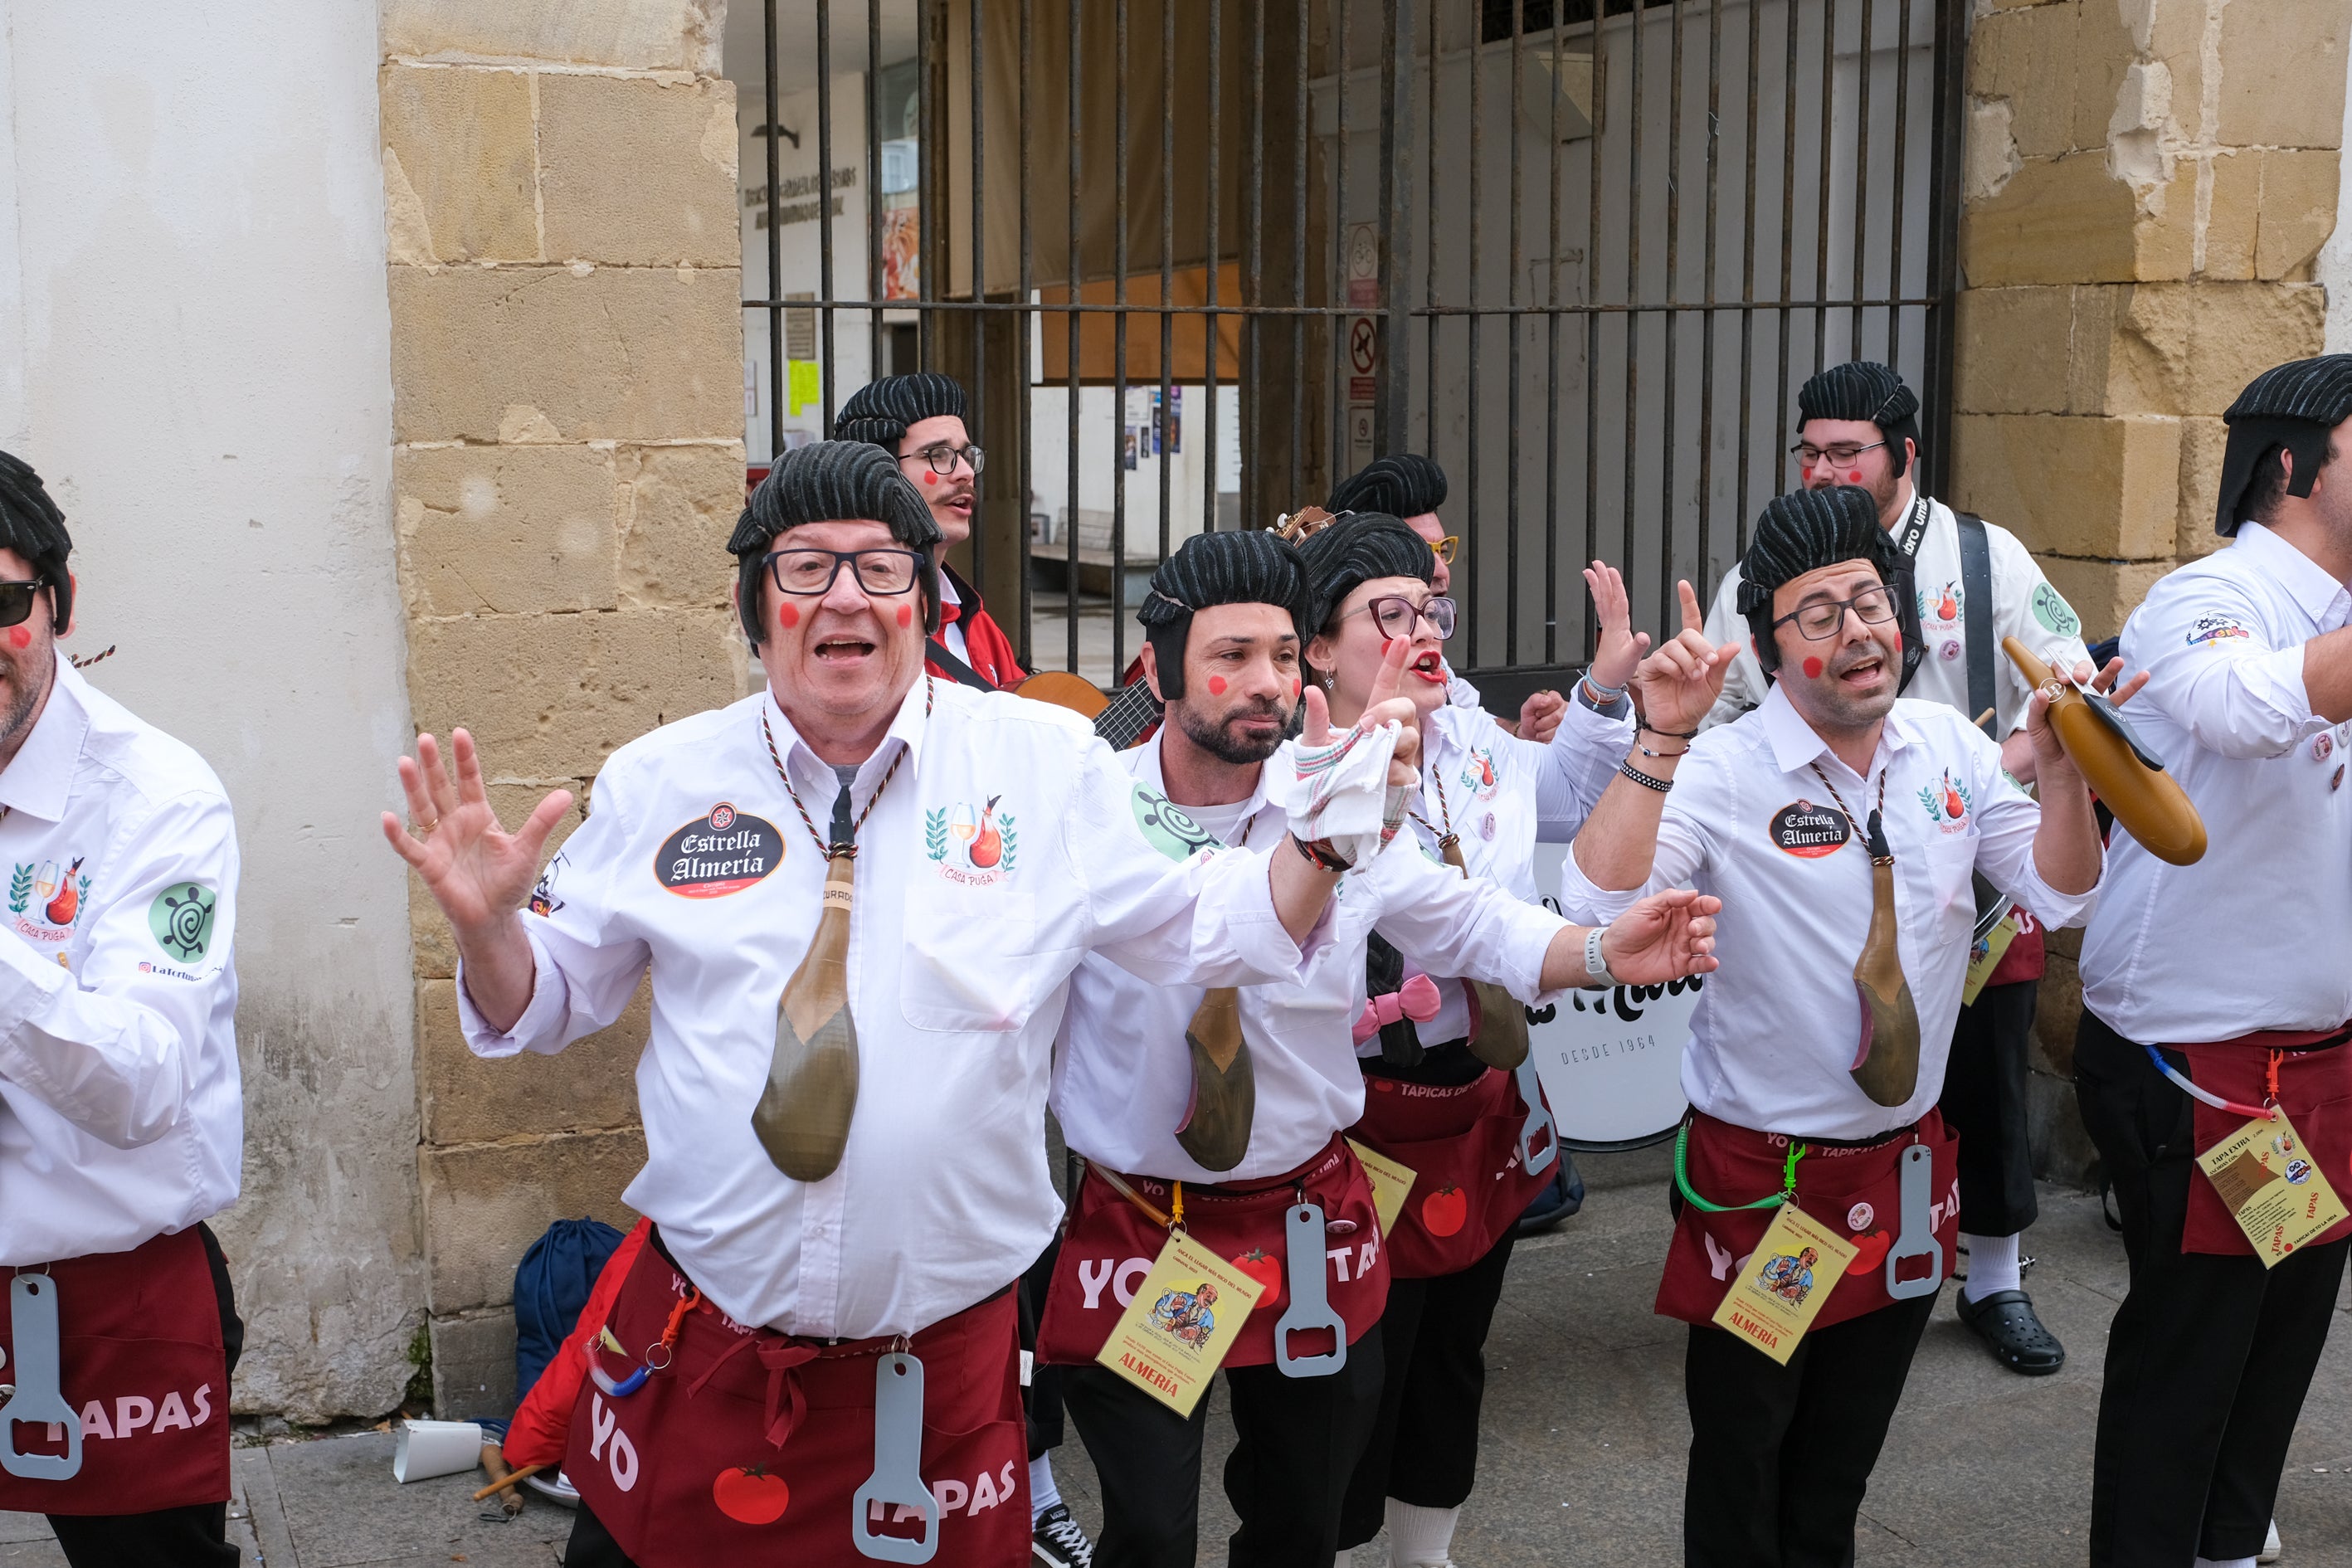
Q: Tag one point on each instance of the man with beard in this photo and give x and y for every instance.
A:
(1235, 1145)
(121, 1124)
(918, 420)
(1828, 813)
(1970, 583)
(2247, 956)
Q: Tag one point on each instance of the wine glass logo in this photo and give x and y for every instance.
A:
(47, 881)
(964, 825)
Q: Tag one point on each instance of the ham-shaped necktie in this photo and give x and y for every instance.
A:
(804, 1114)
(1886, 1060)
(1215, 1130)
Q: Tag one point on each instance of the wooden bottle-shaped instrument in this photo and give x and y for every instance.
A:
(2121, 772)
(1215, 1130)
(1887, 1063)
(1498, 1025)
(802, 1117)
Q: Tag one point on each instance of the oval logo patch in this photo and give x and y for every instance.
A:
(1810, 831)
(719, 854)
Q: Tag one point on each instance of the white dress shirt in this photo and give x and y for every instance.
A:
(1503, 796)
(2024, 607)
(1777, 1024)
(2258, 934)
(1010, 844)
(1122, 1075)
(122, 1116)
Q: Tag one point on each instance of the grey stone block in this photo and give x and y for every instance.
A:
(474, 1366)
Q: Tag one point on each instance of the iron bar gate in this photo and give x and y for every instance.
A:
(1583, 261)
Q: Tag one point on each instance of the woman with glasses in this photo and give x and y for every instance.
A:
(1432, 1102)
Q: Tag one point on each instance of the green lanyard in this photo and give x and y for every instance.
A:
(1682, 1178)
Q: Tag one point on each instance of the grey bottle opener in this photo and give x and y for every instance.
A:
(1917, 1237)
(897, 1478)
(39, 1400)
(1539, 1118)
(1310, 1304)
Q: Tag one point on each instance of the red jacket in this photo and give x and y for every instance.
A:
(986, 648)
(542, 1425)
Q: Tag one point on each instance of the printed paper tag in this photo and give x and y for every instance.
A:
(1982, 964)
(1787, 1279)
(2270, 1181)
(1391, 1183)
(1185, 1316)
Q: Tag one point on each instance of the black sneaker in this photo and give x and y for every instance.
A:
(1058, 1543)
(2006, 1322)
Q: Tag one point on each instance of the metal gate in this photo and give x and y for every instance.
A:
(1196, 260)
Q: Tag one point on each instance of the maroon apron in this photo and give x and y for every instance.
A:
(1857, 1192)
(750, 1444)
(1461, 1141)
(2314, 1090)
(1110, 1245)
(140, 1355)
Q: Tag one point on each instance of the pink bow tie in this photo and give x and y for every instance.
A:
(1416, 999)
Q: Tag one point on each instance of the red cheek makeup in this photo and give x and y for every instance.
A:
(1812, 670)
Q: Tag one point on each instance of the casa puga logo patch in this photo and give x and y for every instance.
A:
(976, 847)
(1947, 801)
(711, 856)
(1942, 605)
(1478, 773)
(48, 899)
(1810, 831)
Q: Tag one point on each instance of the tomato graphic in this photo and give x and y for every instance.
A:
(1444, 1211)
(748, 1494)
(1265, 1270)
(1870, 1251)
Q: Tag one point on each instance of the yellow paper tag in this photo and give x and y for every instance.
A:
(1982, 966)
(1787, 1279)
(2270, 1181)
(1185, 1316)
(1391, 1183)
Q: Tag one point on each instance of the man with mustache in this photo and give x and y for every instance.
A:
(1971, 584)
(1233, 1146)
(1813, 1074)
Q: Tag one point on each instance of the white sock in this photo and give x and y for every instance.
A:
(1420, 1537)
(2225, 1563)
(1992, 1265)
(1043, 1493)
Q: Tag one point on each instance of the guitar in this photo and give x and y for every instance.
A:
(1123, 718)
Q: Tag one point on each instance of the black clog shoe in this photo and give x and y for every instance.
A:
(2005, 1321)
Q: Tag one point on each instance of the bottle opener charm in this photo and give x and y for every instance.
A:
(1918, 1238)
(39, 1400)
(896, 1483)
(1310, 1304)
(1539, 1124)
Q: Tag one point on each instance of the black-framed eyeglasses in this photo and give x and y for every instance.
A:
(1395, 615)
(1844, 452)
(1819, 620)
(16, 601)
(807, 571)
(943, 455)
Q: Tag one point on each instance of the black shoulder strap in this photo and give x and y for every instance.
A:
(963, 673)
(1976, 608)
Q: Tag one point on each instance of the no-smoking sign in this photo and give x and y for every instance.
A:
(1364, 344)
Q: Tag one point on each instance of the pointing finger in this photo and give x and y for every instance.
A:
(1317, 731)
(1692, 619)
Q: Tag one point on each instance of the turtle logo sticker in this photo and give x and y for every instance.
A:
(1810, 831)
(717, 855)
(182, 918)
(2051, 608)
(1170, 830)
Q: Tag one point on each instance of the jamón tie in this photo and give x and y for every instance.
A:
(1498, 1025)
(1886, 1062)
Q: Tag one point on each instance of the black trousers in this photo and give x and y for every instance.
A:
(1985, 1102)
(193, 1537)
(1040, 1397)
(1297, 1438)
(2210, 1355)
(1780, 1456)
(1435, 1331)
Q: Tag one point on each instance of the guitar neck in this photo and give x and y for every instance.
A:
(1132, 711)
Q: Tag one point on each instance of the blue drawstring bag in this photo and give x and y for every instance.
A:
(551, 1285)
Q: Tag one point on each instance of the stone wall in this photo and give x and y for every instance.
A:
(2148, 183)
(568, 462)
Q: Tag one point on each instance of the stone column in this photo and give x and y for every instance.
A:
(2147, 185)
(568, 462)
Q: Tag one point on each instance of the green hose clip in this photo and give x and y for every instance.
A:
(1682, 1178)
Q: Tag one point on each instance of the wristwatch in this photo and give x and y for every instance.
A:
(1596, 968)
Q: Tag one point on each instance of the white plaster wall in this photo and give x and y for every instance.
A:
(194, 352)
(2335, 265)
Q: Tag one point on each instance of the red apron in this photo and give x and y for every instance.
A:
(541, 1427)
(1110, 1245)
(140, 1355)
(2025, 957)
(751, 1446)
(2314, 1090)
(1462, 1144)
(1857, 1192)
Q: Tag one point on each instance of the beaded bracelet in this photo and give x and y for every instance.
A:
(1645, 780)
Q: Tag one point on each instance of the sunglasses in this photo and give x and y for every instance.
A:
(16, 601)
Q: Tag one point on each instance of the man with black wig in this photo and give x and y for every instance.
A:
(1230, 1107)
(1849, 821)
(122, 1121)
(842, 1090)
(1970, 584)
(919, 419)
(2247, 957)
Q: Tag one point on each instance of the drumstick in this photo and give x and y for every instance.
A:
(499, 1485)
(1979, 720)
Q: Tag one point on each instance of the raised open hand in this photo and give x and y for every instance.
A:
(2105, 680)
(477, 871)
(1681, 681)
(1664, 937)
(1620, 648)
